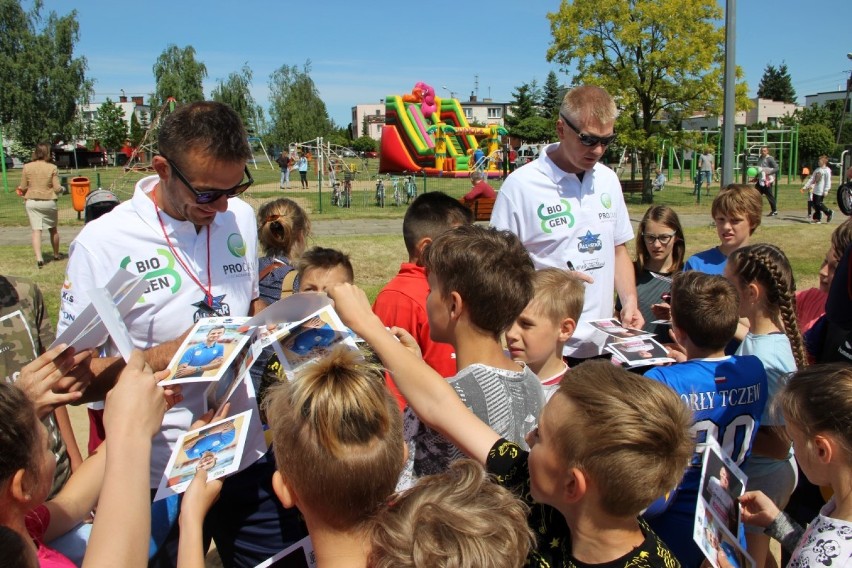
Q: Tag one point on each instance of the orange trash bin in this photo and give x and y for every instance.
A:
(79, 190)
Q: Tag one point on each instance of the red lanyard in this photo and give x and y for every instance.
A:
(208, 292)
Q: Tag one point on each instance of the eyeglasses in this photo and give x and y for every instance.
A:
(664, 238)
(588, 139)
(209, 196)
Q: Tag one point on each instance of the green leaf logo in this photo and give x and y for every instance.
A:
(237, 245)
(606, 200)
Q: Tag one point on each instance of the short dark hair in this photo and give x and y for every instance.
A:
(18, 436)
(705, 307)
(490, 269)
(320, 257)
(429, 215)
(208, 127)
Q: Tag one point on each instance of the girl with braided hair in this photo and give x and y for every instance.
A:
(764, 281)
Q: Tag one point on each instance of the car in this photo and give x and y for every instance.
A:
(371, 154)
(348, 153)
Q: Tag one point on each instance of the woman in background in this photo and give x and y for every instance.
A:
(40, 188)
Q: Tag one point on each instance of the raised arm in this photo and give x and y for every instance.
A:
(430, 396)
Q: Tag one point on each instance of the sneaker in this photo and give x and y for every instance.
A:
(816, 222)
(773, 214)
(828, 216)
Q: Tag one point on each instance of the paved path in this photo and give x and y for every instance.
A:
(384, 226)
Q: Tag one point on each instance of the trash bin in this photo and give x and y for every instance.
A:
(79, 190)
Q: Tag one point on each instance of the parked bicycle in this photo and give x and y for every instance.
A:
(380, 193)
(397, 196)
(410, 189)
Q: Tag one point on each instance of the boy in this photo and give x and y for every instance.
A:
(546, 324)
(727, 395)
(402, 303)
(480, 280)
(736, 213)
(321, 268)
(457, 518)
(599, 455)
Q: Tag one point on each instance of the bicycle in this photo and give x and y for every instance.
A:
(410, 189)
(397, 198)
(380, 193)
(717, 174)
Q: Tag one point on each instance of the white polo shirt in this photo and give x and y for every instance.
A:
(560, 219)
(131, 237)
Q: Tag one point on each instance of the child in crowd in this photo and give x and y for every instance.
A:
(660, 181)
(457, 518)
(822, 185)
(817, 408)
(546, 324)
(480, 280)
(116, 480)
(402, 303)
(660, 251)
(338, 444)
(597, 458)
(704, 318)
(283, 229)
(736, 213)
(764, 281)
(321, 268)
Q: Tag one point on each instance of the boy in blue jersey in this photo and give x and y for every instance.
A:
(736, 214)
(727, 395)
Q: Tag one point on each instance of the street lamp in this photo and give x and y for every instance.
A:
(845, 102)
(452, 93)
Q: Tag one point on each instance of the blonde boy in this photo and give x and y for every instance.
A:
(736, 213)
(608, 443)
(546, 324)
(337, 436)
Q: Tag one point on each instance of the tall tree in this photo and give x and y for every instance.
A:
(42, 80)
(551, 97)
(296, 111)
(776, 84)
(177, 74)
(236, 92)
(523, 106)
(655, 57)
(136, 130)
(110, 126)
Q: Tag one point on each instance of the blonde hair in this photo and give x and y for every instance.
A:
(633, 455)
(768, 265)
(739, 200)
(281, 225)
(589, 101)
(557, 294)
(337, 436)
(458, 518)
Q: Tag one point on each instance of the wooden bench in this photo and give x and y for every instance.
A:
(632, 186)
(480, 207)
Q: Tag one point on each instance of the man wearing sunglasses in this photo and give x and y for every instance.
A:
(194, 241)
(569, 212)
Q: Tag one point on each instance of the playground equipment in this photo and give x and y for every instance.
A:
(430, 134)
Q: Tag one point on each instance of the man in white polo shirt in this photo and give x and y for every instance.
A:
(569, 212)
(197, 249)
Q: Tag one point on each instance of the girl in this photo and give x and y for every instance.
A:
(660, 247)
(282, 229)
(764, 281)
(817, 407)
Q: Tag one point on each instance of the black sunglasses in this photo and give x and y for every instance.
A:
(204, 197)
(588, 139)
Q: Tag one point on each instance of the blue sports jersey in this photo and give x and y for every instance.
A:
(201, 354)
(710, 261)
(211, 443)
(727, 396)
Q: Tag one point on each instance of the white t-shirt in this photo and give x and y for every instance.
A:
(131, 237)
(560, 219)
(822, 180)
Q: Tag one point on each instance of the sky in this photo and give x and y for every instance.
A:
(360, 52)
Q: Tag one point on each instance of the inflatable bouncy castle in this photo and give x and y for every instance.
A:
(429, 134)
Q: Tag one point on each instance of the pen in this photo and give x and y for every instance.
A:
(571, 266)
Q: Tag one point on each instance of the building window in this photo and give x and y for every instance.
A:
(468, 112)
(495, 112)
(378, 112)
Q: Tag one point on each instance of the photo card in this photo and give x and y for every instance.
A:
(312, 339)
(641, 351)
(209, 351)
(613, 328)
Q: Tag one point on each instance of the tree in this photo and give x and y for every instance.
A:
(136, 130)
(814, 141)
(364, 144)
(551, 97)
(296, 111)
(655, 58)
(523, 106)
(43, 83)
(236, 92)
(177, 74)
(534, 129)
(110, 126)
(776, 84)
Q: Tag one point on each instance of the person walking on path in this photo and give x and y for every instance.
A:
(40, 188)
(303, 171)
(822, 185)
(706, 165)
(769, 167)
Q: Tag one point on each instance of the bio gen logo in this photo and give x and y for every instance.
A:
(237, 245)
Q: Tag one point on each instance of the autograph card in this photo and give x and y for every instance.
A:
(312, 339)
(642, 351)
(209, 350)
(613, 328)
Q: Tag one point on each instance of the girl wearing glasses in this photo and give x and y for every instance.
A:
(660, 248)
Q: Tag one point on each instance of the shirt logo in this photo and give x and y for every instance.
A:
(236, 245)
(589, 242)
(158, 271)
(606, 200)
(555, 215)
